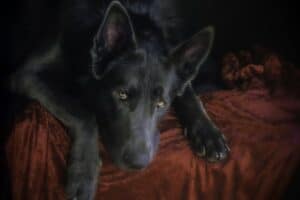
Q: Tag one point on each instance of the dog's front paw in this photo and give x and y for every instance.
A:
(82, 179)
(208, 142)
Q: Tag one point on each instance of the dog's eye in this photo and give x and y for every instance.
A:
(161, 104)
(123, 95)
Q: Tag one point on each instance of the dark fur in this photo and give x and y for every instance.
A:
(83, 58)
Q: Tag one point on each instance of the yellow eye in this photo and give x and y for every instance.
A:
(161, 104)
(123, 95)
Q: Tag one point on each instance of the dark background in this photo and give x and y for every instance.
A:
(271, 23)
(239, 24)
(243, 23)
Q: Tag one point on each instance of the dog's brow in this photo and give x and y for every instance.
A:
(131, 84)
(158, 91)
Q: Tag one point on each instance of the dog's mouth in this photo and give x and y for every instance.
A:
(130, 155)
(127, 168)
(132, 164)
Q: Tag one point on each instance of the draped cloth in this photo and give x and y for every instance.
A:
(263, 133)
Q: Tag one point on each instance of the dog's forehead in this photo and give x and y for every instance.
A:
(141, 69)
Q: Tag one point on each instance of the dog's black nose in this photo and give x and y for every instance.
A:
(136, 160)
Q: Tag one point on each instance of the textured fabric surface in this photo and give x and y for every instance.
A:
(263, 133)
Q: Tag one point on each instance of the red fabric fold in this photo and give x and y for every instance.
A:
(263, 133)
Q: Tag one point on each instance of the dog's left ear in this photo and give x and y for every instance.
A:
(190, 55)
(115, 35)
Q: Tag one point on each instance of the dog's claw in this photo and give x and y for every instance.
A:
(227, 147)
(185, 132)
(202, 152)
(223, 137)
(222, 156)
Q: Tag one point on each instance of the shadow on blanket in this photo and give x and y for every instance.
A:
(263, 133)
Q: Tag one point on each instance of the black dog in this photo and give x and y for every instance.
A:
(115, 79)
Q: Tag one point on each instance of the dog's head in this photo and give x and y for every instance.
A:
(137, 79)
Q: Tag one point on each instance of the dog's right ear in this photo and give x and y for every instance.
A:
(115, 35)
(188, 56)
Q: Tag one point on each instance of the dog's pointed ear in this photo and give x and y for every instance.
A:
(115, 35)
(190, 55)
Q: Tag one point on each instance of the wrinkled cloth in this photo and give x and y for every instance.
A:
(263, 133)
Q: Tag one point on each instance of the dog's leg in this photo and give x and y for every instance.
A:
(204, 136)
(84, 162)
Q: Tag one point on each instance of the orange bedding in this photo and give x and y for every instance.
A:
(263, 133)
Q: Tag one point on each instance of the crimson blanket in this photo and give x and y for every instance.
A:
(263, 133)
